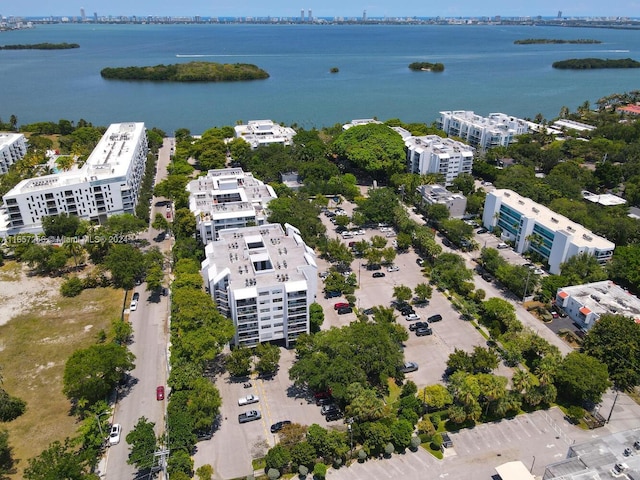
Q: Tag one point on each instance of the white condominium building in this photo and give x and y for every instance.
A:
(228, 198)
(13, 147)
(264, 278)
(584, 304)
(534, 227)
(498, 129)
(264, 132)
(106, 184)
(434, 154)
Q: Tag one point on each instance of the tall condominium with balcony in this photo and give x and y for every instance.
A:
(535, 228)
(264, 132)
(106, 184)
(434, 154)
(228, 198)
(264, 278)
(498, 129)
(13, 147)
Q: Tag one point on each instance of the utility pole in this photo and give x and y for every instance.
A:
(614, 405)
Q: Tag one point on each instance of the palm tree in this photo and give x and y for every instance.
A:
(521, 380)
(547, 369)
(75, 249)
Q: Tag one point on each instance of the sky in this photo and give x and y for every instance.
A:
(323, 8)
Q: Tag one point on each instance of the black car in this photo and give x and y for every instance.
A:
(423, 331)
(276, 427)
(324, 401)
(420, 262)
(333, 416)
(434, 318)
(330, 408)
(378, 274)
(344, 310)
(136, 296)
(415, 326)
(407, 311)
(482, 230)
(368, 311)
(374, 266)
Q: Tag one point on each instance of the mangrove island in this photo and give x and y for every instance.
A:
(592, 63)
(427, 67)
(535, 41)
(41, 46)
(188, 72)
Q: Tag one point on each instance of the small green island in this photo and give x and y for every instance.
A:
(188, 72)
(426, 67)
(334, 70)
(537, 41)
(41, 46)
(593, 63)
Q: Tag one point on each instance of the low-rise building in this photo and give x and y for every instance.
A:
(264, 132)
(13, 147)
(264, 278)
(584, 304)
(228, 198)
(536, 228)
(565, 124)
(107, 184)
(498, 129)
(608, 457)
(456, 203)
(434, 154)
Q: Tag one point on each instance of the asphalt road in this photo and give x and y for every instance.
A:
(149, 345)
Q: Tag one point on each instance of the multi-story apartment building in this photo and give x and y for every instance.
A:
(534, 227)
(107, 184)
(264, 132)
(228, 198)
(498, 129)
(13, 147)
(434, 154)
(456, 203)
(264, 278)
(584, 304)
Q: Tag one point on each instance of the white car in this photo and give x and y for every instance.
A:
(411, 317)
(134, 305)
(393, 268)
(248, 400)
(114, 434)
(502, 245)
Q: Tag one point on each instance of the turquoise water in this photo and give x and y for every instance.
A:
(484, 72)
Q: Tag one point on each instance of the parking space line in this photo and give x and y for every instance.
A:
(265, 409)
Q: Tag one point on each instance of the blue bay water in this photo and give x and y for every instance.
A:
(484, 72)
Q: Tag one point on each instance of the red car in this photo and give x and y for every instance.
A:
(160, 393)
(340, 305)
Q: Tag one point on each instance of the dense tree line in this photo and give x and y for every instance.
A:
(433, 67)
(536, 41)
(590, 63)
(188, 72)
(40, 46)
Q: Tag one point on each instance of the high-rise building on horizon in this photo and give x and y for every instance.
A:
(364, 16)
(82, 14)
(302, 15)
(310, 17)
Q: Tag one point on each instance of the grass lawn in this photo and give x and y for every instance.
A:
(394, 392)
(33, 350)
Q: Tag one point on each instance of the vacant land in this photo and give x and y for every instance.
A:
(41, 329)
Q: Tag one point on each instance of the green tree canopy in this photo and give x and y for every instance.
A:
(581, 378)
(142, 441)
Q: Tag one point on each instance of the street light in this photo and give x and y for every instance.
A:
(350, 427)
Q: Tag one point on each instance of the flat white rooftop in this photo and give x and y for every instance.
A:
(606, 297)
(582, 236)
(606, 199)
(110, 159)
(7, 138)
(573, 125)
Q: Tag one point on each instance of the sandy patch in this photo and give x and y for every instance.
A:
(21, 292)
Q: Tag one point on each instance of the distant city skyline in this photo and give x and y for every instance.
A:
(324, 8)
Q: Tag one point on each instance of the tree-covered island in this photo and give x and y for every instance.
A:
(41, 46)
(590, 63)
(188, 72)
(427, 67)
(536, 41)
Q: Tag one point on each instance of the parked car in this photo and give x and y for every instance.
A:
(160, 393)
(344, 310)
(134, 306)
(332, 294)
(502, 245)
(249, 416)
(374, 266)
(414, 326)
(322, 394)
(420, 262)
(276, 427)
(487, 277)
(136, 296)
(434, 318)
(340, 305)
(332, 407)
(248, 400)
(393, 268)
(412, 317)
(324, 401)
(408, 310)
(482, 230)
(368, 311)
(423, 331)
(333, 416)
(165, 291)
(408, 367)
(378, 274)
(114, 434)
